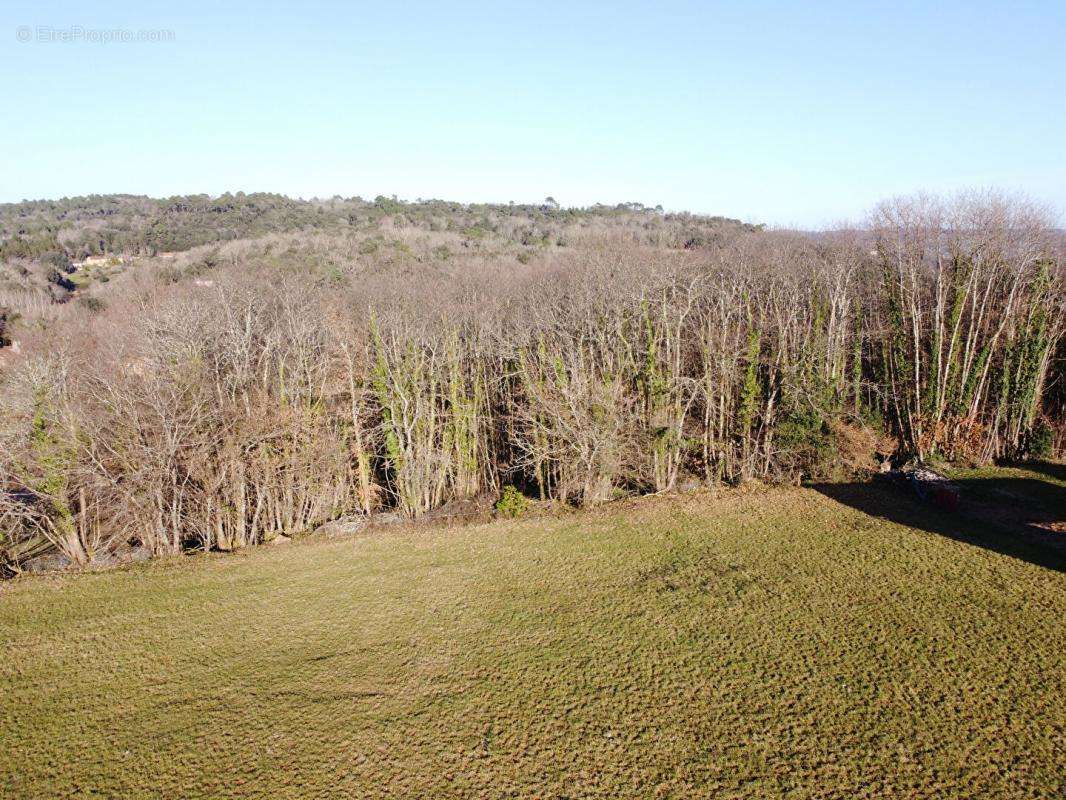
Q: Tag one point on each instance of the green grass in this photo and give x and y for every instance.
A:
(773, 644)
(1039, 488)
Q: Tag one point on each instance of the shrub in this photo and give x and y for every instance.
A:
(92, 304)
(1041, 442)
(512, 503)
(807, 446)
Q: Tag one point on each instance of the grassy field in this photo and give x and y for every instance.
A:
(819, 642)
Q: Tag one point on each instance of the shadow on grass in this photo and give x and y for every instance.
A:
(1010, 516)
(1049, 468)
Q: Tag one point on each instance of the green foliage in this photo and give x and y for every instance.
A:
(52, 459)
(92, 304)
(369, 246)
(388, 205)
(383, 389)
(1040, 441)
(512, 503)
(857, 362)
(751, 390)
(807, 446)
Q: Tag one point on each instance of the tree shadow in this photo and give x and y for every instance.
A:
(1049, 468)
(1010, 516)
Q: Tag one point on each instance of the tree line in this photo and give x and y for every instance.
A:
(73, 228)
(317, 378)
(39, 239)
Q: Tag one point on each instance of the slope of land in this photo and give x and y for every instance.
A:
(44, 243)
(776, 643)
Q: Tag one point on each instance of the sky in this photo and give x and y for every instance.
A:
(787, 113)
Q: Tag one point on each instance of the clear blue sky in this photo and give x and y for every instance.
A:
(772, 112)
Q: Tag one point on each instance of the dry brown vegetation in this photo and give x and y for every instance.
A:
(241, 391)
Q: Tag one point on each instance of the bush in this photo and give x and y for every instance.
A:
(92, 304)
(1041, 444)
(807, 446)
(512, 503)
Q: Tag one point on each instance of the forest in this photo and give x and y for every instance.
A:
(238, 369)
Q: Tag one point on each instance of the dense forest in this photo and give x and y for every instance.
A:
(238, 368)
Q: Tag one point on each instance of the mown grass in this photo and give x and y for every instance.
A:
(763, 645)
(1038, 488)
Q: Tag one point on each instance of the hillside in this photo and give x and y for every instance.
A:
(755, 644)
(41, 241)
(305, 361)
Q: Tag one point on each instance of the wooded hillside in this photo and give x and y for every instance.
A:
(297, 362)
